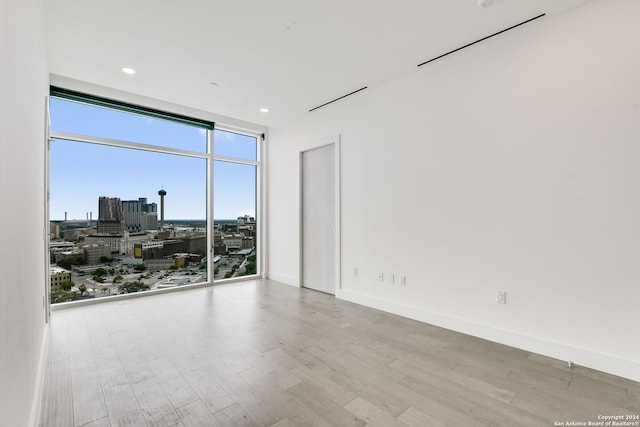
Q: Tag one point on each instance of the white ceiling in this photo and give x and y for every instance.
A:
(287, 55)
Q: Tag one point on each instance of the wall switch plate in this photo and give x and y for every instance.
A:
(392, 278)
(403, 280)
(355, 271)
(381, 277)
(501, 297)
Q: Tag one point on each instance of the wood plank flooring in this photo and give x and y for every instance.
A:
(260, 353)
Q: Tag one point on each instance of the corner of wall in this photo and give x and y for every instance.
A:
(36, 407)
(283, 278)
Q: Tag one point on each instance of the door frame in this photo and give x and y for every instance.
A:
(335, 141)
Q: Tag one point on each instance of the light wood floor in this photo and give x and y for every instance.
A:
(265, 354)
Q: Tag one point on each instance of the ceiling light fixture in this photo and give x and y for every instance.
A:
(128, 70)
(264, 110)
(487, 3)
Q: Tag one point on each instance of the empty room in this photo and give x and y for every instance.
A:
(291, 213)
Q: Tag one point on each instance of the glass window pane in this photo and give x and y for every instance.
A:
(236, 145)
(106, 211)
(235, 219)
(85, 119)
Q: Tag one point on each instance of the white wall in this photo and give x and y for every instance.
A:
(23, 87)
(512, 165)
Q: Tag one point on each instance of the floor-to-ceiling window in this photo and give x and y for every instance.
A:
(235, 204)
(133, 194)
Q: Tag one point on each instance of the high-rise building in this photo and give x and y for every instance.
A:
(149, 215)
(54, 229)
(109, 209)
(110, 219)
(148, 207)
(247, 225)
(131, 213)
(149, 220)
(134, 216)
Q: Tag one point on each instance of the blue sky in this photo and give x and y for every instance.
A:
(81, 172)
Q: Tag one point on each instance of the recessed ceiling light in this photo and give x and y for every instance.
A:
(264, 110)
(487, 3)
(128, 70)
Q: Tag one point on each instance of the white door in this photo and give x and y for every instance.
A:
(318, 219)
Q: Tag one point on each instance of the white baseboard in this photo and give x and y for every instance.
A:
(283, 278)
(584, 357)
(36, 405)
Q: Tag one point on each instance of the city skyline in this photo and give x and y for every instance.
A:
(81, 172)
(93, 215)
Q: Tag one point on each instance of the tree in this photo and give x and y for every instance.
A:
(215, 270)
(82, 288)
(228, 274)
(131, 287)
(68, 263)
(139, 267)
(250, 267)
(65, 263)
(118, 279)
(58, 294)
(100, 272)
(105, 259)
(67, 285)
(204, 266)
(173, 267)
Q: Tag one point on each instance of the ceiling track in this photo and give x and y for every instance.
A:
(338, 99)
(441, 56)
(482, 39)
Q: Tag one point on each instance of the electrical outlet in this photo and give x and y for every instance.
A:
(403, 280)
(501, 297)
(381, 277)
(392, 278)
